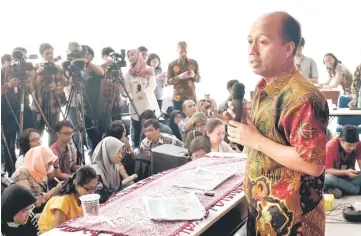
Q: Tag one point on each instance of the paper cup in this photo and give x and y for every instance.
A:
(328, 201)
(90, 204)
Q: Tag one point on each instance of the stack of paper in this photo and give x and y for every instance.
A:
(187, 207)
(205, 179)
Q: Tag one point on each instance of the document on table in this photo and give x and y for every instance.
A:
(187, 207)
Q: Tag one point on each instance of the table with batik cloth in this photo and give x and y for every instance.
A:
(127, 213)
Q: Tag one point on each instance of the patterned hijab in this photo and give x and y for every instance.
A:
(140, 68)
(103, 154)
(35, 162)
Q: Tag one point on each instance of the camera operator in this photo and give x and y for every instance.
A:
(11, 90)
(93, 77)
(49, 90)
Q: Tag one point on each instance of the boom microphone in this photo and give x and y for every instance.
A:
(237, 99)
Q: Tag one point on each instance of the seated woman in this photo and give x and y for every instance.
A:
(175, 119)
(215, 132)
(198, 148)
(17, 217)
(106, 161)
(28, 139)
(33, 174)
(65, 204)
(199, 120)
(338, 74)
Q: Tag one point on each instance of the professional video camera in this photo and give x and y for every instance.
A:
(50, 69)
(19, 66)
(75, 67)
(118, 62)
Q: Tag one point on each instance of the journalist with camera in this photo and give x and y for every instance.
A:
(84, 76)
(48, 91)
(16, 84)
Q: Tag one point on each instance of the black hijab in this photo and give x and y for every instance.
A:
(14, 199)
(174, 126)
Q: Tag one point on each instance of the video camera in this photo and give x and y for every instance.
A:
(75, 67)
(19, 66)
(118, 62)
(50, 70)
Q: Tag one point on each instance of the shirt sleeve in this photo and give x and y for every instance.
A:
(62, 203)
(171, 78)
(314, 71)
(304, 127)
(197, 76)
(358, 152)
(331, 153)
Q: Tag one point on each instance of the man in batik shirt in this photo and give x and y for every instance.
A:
(286, 136)
(182, 74)
(356, 89)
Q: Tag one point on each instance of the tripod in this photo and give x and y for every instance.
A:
(118, 78)
(79, 121)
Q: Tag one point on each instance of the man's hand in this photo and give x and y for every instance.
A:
(40, 70)
(351, 173)
(13, 83)
(352, 103)
(190, 74)
(245, 134)
(184, 75)
(136, 151)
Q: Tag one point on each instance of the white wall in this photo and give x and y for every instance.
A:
(216, 31)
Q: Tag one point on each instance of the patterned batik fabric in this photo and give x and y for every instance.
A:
(291, 111)
(183, 89)
(356, 85)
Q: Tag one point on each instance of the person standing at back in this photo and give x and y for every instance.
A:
(305, 64)
(286, 135)
(182, 74)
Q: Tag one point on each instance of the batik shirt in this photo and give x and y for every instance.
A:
(356, 85)
(183, 89)
(293, 112)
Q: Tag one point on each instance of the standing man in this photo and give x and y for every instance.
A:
(286, 136)
(182, 74)
(144, 52)
(305, 64)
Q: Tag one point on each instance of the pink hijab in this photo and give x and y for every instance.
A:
(35, 161)
(140, 68)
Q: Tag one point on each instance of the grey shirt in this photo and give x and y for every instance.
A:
(307, 66)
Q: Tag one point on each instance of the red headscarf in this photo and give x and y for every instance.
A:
(140, 68)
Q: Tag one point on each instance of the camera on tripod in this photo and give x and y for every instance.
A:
(50, 70)
(19, 66)
(73, 66)
(118, 62)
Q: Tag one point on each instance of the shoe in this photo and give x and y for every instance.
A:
(337, 193)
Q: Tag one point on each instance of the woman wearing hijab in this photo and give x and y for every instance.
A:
(17, 217)
(175, 118)
(107, 158)
(32, 175)
(140, 83)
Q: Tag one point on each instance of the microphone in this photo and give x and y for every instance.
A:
(238, 92)
(139, 88)
(130, 180)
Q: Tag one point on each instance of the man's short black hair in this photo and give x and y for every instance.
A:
(302, 43)
(150, 122)
(116, 129)
(62, 124)
(230, 83)
(291, 30)
(43, 47)
(142, 49)
(90, 50)
(350, 134)
(106, 51)
(20, 49)
(5, 57)
(147, 114)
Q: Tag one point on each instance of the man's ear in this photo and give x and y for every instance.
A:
(291, 46)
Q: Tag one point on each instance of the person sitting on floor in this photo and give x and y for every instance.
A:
(155, 138)
(106, 161)
(62, 148)
(199, 121)
(17, 217)
(341, 155)
(215, 132)
(65, 204)
(174, 122)
(199, 147)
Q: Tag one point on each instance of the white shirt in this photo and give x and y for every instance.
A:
(149, 102)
